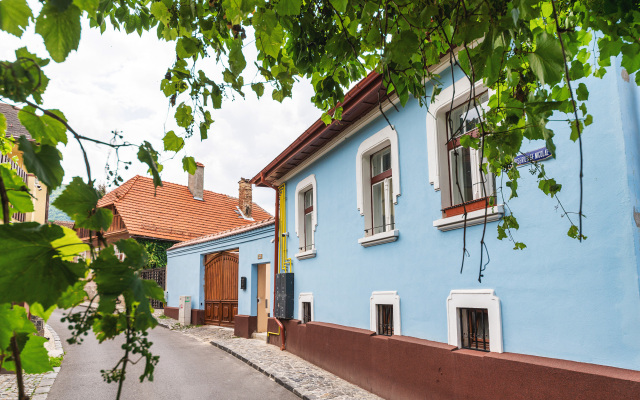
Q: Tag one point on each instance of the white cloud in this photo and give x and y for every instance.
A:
(113, 83)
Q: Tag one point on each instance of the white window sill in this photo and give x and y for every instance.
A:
(306, 254)
(379, 238)
(473, 218)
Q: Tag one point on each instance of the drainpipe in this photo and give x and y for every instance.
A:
(275, 264)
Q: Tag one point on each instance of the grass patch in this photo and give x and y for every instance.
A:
(162, 316)
(55, 361)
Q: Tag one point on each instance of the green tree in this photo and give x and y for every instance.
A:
(530, 52)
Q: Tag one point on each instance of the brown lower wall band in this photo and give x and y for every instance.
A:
(197, 315)
(400, 367)
(245, 325)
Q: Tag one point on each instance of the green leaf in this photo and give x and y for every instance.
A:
(34, 357)
(184, 116)
(186, 47)
(288, 7)
(582, 92)
(3, 125)
(172, 142)
(237, 63)
(14, 16)
(189, 165)
(32, 268)
(44, 129)
(161, 12)
(546, 9)
(60, 30)
(258, 88)
(326, 118)
(90, 6)
(13, 319)
(43, 161)
(339, 5)
(588, 120)
(547, 61)
(149, 156)
(79, 201)
(17, 192)
(39, 311)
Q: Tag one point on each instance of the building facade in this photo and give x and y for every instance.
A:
(376, 234)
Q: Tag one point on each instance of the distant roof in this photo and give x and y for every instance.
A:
(68, 224)
(223, 234)
(172, 213)
(366, 95)
(14, 127)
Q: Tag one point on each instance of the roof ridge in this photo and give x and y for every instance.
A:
(229, 232)
(135, 179)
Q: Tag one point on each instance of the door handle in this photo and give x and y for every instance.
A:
(266, 303)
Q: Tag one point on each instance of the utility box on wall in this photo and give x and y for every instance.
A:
(284, 296)
(184, 314)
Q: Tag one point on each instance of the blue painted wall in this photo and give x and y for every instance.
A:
(185, 267)
(560, 298)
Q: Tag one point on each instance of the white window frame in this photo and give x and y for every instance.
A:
(304, 185)
(387, 298)
(387, 137)
(305, 298)
(438, 155)
(475, 298)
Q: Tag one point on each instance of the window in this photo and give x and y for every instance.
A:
(381, 202)
(466, 183)
(378, 186)
(306, 217)
(385, 313)
(305, 307)
(454, 171)
(385, 320)
(474, 328)
(306, 312)
(474, 320)
(308, 221)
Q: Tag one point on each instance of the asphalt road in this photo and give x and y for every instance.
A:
(188, 369)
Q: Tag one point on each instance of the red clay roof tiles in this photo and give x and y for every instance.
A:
(170, 212)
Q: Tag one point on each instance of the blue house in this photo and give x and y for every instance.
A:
(371, 224)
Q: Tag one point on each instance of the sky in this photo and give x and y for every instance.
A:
(112, 82)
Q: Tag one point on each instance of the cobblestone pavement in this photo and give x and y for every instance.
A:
(297, 375)
(37, 386)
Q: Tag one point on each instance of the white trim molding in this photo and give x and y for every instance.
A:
(307, 183)
(303, 255)
(378, 141)
(379, 238)
(493, 213)
(436, 125)
(390, 298)
(305, 298)
(475, 298)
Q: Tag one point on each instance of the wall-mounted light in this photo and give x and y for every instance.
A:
(243, 283)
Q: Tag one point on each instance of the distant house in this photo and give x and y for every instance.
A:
(37, 189)
(171, 213)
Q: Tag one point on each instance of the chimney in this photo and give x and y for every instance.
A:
(245, 201)
(196, 182)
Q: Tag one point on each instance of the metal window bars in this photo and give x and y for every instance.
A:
(306, 312)
(385, 319)
(379, 229)
(474, 328)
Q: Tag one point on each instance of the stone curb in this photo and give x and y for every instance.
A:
(261, 370)
(44, 386)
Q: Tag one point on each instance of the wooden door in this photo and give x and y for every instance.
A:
(263, 296)
(221, 289)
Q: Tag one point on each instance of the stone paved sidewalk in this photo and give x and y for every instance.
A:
(297, 375)
(37, 386)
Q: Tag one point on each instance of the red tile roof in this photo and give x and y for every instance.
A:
(220, 235)
(14, 127)
(170, 212)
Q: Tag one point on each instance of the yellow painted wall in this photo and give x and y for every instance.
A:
(37, 189)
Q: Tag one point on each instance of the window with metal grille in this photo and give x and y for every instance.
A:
(474, 328)
(306, 312)
(385, 319)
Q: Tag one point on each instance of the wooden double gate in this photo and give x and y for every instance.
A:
(221, 289)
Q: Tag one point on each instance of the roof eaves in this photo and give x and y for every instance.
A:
(223, 234)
